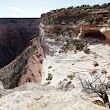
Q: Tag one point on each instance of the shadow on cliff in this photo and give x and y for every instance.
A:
(26, 67)
(15, 35)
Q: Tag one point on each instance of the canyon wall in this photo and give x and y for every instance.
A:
(25, 68)
(15, 35)
(20, 59)
(21, 52)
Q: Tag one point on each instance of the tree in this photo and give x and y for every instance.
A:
(96, 6)
(104, 5)
(96, 85)
(70, 7)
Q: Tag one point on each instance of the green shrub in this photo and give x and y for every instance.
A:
(89, 19)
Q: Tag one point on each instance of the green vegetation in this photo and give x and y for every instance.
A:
(89, 19)
(74, 14)
(72, 45)
(108, 84)
(71, 76)
(49, 77)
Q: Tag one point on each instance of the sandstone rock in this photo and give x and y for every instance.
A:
(33, 73)
(95, 63)
(104, 71)
(25, 68)
(53, 100)
(93, 72)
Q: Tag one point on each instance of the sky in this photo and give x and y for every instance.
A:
(34, 8)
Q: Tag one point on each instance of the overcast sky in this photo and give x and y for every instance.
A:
(34, 8)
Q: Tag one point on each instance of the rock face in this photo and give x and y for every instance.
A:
(70, 20)
(34, 67)
(45, 98)
(25, 68)
(15, 35)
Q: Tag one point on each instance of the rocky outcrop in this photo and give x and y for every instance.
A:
(25, 68)
(34, 67)
(34, 97)
(15, 35)
(68, 21)
(63, 16)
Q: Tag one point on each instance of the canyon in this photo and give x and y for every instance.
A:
(41, 59)
(15, 35)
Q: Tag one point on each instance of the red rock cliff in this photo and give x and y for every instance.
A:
(25, 68)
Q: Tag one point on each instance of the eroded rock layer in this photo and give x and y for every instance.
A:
(25, 68)
(15, 35)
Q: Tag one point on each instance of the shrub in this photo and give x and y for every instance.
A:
(71, 76)
(89, 19)
(49, 77)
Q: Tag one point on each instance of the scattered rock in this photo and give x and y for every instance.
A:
(92, 72)
(95, 63)
(95, 54)
(86, 50)
(49, 67)
(104, 71)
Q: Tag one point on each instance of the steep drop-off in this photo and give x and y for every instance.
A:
(25, 68)
(15, 35)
